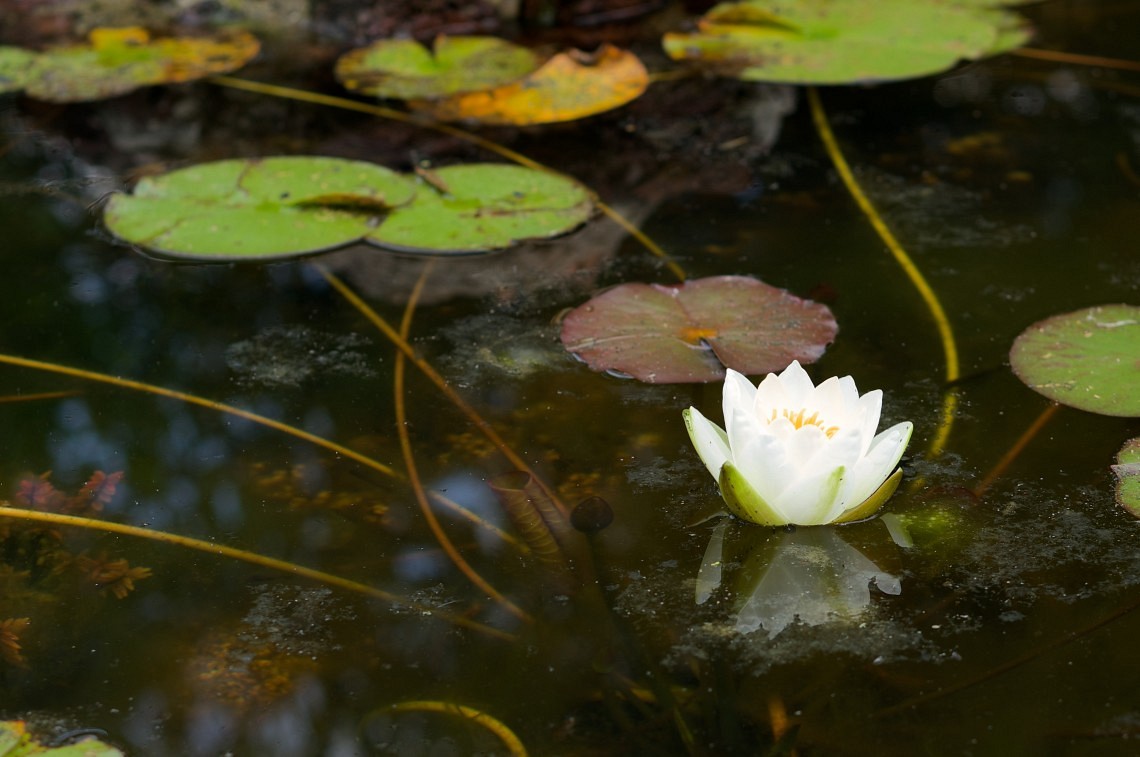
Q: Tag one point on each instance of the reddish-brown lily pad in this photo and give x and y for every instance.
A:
(690, 332)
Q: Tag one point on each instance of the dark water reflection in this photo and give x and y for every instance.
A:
(1010, 635)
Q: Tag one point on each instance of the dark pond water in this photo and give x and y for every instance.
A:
(1013, 185)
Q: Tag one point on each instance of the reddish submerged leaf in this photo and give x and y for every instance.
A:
(689, 333)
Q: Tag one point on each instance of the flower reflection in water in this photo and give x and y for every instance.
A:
(810, 573)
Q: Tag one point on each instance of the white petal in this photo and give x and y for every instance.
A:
(762, 460)
(770, 395)
(806, 445)
(842, 449)
(797, 384)
(709, 440)
(811, 497)
(829, 401)
(884, 454)
(871, 407)
(739, 393)
(850, 391)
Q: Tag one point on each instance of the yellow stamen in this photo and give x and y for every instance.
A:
(800, 419)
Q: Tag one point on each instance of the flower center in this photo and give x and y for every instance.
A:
(800, 418)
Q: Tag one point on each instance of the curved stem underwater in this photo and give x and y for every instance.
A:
(193, 399)
(250, 557)
(399, 373)
(464, 407)
(937, 313)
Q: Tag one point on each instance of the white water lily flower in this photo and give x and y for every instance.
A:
(795, 453)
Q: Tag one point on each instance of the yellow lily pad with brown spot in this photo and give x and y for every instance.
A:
(569, 86)
(118, 60)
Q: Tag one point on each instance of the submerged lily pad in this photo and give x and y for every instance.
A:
(116, 61)
(1127, 471)
(257, 208)
(846, 41)
(567, 87)
(691, 332)
(1088, 359)
(405, 69)
(477, 207)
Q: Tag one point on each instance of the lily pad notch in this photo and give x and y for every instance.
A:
(282, 207)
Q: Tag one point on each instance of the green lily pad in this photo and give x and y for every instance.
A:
(405, 69)
(1088, 359)
(15, 742)
(1127, 471)
(484, 206)
(846, 41)
(15, 66)
(116, 61)
(692, 331)
(258, 208)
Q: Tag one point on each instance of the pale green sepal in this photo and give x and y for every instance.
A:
(827, 495)
(871, 505)
(743, 501)
(715, 454)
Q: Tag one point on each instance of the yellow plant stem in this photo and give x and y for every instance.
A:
(193, 399)
(413, 473)
(477, 521)
(291, 93)
(1057, 56)
(512, 742)
(937, 313)
(1016, 450)
(642, 237)
(402, 345)
(9, 398)
(250, 557)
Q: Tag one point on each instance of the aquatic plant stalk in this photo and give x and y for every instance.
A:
(290, 93)
(479, 522)
(402, 345)
(1016, 450)
(1058, 56)
(253, 558)
(194, 399)
(512, 742)
(937, 313)
(37, 396)
(399, 373)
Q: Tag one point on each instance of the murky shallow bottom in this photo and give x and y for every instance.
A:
(1005, 629)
